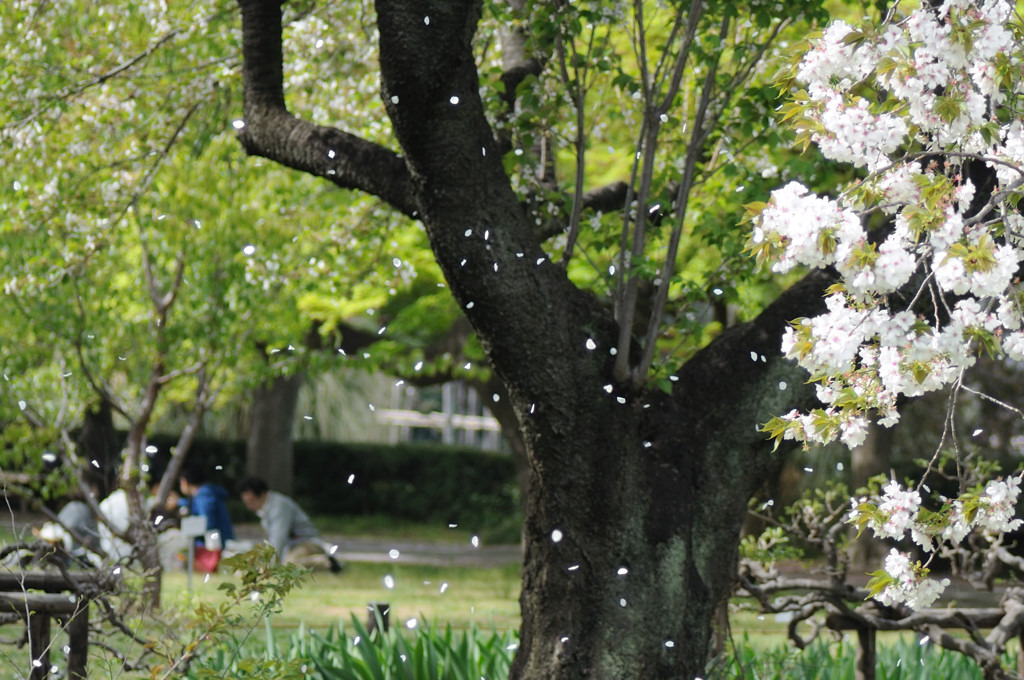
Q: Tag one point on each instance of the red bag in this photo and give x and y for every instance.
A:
(206, 560)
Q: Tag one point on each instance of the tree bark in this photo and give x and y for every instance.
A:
(99, 441)
(636, 497)
(269, 451)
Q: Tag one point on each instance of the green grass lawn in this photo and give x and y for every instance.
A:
(458, 596)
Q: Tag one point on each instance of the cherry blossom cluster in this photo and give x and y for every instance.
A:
(898, 512)
(907, 582)
(926, 246)
(942, 241)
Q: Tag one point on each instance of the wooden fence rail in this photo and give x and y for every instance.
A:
(67, 602)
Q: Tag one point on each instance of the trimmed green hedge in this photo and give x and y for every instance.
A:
(429, 482)
(412, 481)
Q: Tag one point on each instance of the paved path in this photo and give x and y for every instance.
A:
(434, 554)
(410, 551)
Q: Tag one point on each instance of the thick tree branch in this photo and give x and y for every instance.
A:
(269, 130)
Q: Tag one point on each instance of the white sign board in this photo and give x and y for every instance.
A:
(194, 525)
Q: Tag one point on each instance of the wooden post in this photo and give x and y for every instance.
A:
(39, 644)
(377, 612)
(78, 632)
(865, 668)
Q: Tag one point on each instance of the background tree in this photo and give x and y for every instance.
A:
(145, 268)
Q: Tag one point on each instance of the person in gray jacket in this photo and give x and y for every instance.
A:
(288, 527)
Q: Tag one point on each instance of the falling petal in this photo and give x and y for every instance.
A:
(556, 536)
(591, 345)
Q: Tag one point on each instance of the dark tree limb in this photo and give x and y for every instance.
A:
(270, 131)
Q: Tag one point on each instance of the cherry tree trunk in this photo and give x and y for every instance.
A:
(636, 497)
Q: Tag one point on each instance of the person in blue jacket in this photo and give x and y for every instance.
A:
(207, 500)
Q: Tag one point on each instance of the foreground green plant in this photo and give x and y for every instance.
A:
(907, 658)
(420, 653)
(263, 584)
